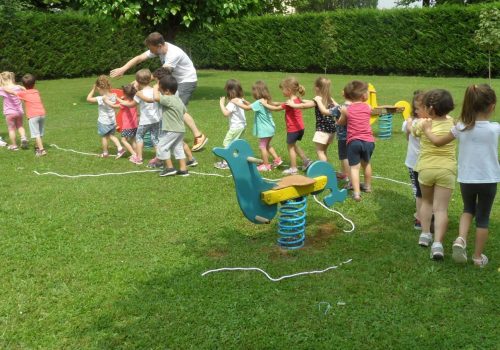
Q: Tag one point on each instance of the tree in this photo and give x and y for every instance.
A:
(428, 3)
(328, 44)
(330, 5)
(487, 37)
(168, 16)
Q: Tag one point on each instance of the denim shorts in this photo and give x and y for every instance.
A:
(358, 151)
(143, 129)
(105, 129)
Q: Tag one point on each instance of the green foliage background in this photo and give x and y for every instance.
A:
(433, 41)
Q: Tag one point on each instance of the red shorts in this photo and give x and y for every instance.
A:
(14, 122)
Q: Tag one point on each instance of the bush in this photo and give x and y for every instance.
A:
(65, 44)
(431, 41)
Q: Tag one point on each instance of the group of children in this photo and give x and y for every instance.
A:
(13, 111)
(432, 164)
(350, 121)
(431, 134)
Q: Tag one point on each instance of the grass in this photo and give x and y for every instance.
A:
(116, 262)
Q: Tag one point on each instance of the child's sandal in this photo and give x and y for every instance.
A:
(364, 188)
(356, 196)
(104, 155)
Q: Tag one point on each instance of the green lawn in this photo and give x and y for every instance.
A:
(116, 262)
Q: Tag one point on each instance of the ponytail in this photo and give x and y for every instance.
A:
(301, 90)
(477, 100)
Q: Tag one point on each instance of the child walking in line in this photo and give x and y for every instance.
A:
(478, 167)
(129, 121)
(436, 167)
(13, 110)
(291, 89)
(412, 153)
(35, 111)
(235, 115)
(158, 74)
(325, 123)
(263, 127)
(106, 122)
(360, 140)
(172, 134)
(149, 115)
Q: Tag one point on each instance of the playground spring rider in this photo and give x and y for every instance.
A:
(258, 198)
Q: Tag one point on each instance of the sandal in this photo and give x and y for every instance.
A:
(459, 252)
(356, 196)
(104, 155)
(480, 262)
(364, 188)
(120, 153)
(13, 148)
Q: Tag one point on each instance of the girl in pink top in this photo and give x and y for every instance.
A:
(360, 140)
(12, 109)
(294, 122)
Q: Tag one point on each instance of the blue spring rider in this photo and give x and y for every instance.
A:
(259, 199)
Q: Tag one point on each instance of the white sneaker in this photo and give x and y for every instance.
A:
(2, 143)
(459, 251)
(290, 171)
(425, 239)
(221, 165)
(437, 251)
(481, 262)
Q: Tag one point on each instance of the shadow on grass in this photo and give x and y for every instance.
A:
(391, 205)
(208, 93)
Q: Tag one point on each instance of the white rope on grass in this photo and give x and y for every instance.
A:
(392, 180)
(93, 175)
(78, 152)
(271, 278)
(336, 212)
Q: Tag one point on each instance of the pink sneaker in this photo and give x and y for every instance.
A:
(277, 162)
(135, 160)
(120, 153)
(264, 167)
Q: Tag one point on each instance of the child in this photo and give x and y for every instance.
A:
(158, 74)
(13, 110)
(129, 123)
(149, 114)
(173, 129)
(290, 88)
(413, 152)
(106, 123)
(360, 140)
(235, 115)
(436, 167)
(35, 111)
(325, 124)
(263, 127)
(478, 167)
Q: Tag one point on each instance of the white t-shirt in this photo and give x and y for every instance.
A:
(478, 152)
(179, 61)
(413, 148)
(149, 113)
(237, 118)
(106, 113)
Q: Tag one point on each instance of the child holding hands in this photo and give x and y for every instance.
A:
(12, 109)
(106, 122)
(478, 167)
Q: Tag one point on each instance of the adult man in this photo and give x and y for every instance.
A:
(182, 69)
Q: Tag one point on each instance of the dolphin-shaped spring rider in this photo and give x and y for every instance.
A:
(258, 199)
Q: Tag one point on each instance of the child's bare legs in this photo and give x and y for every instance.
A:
(442, 197)
(481, 238)
(293, 155)
(116, 142)
(12, 137)
(182, 164)
(272, 151)
(355, 179)
(321, 151)
(104, 141)
(265, 155)
(139, 148)
(367, 167)
(188, 119)
(301, 154)
(187, 150)
(22, 132)
(129, 147)
(344, 163)
(426, 207)
(39, 143)
(169, 164)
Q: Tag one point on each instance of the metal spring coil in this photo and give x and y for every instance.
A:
(385, 126)
(292, 223)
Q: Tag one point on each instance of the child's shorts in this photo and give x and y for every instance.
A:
(358, 151)
(293, 137)
(105, 129)
(438, 177)
(143, 129)
(264, 142)
(323, 138)
(14, 122)
(129, 133)
(37, 126)
(231, 135)
(170, 141)
(342, 149)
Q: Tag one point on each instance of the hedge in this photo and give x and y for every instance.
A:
(65, 44)
(432, 41)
